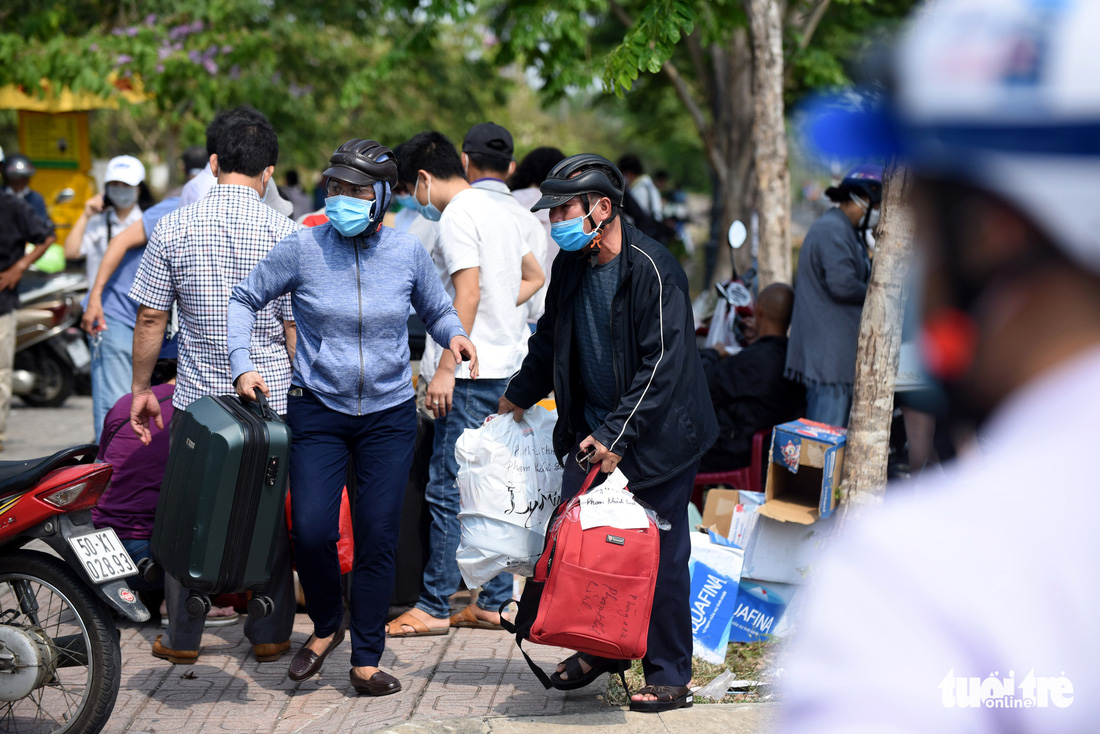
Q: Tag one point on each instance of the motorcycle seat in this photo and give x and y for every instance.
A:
(19, 476)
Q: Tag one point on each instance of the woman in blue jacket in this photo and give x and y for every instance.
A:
(351, 282)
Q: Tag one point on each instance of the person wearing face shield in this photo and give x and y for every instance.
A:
(967, 601)
(834, 269)
(352, 281)
(106, 215)
(616, 345)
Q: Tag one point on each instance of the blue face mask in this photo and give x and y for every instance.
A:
(349, 215)
(570, 235)
(429, 211)
(406, 201)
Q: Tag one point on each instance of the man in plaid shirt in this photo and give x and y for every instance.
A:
(194, 258)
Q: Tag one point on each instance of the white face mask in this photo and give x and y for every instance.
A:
(872, 221)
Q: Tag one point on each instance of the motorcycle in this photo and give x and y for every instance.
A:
(60, 661)
(721, 318)
(51, 357)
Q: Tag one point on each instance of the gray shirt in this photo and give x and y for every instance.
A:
(592, 326)
(833, 271)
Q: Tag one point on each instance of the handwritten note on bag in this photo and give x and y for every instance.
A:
(613, 508)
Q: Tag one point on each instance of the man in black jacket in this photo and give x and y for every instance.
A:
(749, 390)
(617, 347)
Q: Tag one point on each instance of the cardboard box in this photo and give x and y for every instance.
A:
(731, 513)
(783, 552)
(803, 472)
(715, 569)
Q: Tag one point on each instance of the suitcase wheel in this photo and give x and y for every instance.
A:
(150, 570)
(197, 605)
(260, 606)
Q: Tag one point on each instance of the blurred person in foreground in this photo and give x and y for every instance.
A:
(970, 603)
(834, 269)
(617, 347)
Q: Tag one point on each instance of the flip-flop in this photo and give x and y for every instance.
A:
(468, 618)
(669, 698)
(394, 628)
(577, 678)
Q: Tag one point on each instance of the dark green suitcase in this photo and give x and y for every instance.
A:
(221, 504)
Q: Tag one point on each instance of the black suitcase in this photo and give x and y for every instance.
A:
(221, 504)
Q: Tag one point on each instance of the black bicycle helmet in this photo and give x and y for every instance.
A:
(363, 162)
(562, 184)
(18, 165)
(864, 181)
(366, 163)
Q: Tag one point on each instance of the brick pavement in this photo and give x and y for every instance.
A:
(468, 673)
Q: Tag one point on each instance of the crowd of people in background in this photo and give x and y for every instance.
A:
(550, 274)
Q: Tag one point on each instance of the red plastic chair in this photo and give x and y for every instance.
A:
(748, 478)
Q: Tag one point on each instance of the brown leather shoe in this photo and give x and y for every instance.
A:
(306, 663)
(177, 657)
(380, 684)
(269, 652)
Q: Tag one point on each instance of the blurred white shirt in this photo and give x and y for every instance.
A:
(986, 574)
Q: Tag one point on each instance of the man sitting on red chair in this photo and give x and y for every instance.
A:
(749, 391)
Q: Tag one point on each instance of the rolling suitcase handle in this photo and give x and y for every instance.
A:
(265, 407)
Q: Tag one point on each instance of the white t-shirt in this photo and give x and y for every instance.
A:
(960, 583)
(528, 198)
(477, 231)
(648, 197)
(534, 235)
(94, 243)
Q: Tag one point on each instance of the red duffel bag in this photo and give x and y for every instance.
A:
(592, 590)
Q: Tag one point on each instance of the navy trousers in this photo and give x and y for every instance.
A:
(668, 651)
(323, 441)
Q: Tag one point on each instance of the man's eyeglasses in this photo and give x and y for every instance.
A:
(341, 188)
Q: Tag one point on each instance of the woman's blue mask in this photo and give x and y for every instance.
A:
(349, 215)
(429, 211)
(570, 235)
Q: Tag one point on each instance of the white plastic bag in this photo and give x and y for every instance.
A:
(509, 483)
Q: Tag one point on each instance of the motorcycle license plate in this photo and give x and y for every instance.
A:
(102, 555)
(78, 353)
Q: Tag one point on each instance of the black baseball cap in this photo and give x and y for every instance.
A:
(489, 138)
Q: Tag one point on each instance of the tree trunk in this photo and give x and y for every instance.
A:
(863, 481)
(770, 141)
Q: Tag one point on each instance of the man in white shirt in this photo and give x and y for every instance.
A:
(491, 272)
(487, 152)
(642, 188)
(969, 602)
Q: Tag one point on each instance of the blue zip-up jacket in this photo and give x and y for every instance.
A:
(350, 297)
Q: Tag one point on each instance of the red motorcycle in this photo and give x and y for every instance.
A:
(60, 663)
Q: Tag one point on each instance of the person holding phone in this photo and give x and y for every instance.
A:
(106, 215)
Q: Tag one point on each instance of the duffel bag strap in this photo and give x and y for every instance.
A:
(509, 627)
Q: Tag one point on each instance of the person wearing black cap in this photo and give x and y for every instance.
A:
(351, 283)
(833, 272)
(487, 159)
(617, 347)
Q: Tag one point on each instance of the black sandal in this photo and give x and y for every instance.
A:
(669, 698)
(578, 678)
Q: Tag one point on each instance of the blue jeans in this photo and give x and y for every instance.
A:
(829, 404)
(112, 369)
(324, 440)
(138, 548)
(473, 400)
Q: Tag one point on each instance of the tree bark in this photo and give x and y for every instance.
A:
(770, 141)
(863, 479)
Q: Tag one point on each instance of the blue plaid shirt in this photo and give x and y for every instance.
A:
(195, 256)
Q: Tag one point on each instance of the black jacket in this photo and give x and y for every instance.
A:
(750, 394)
(664, 419)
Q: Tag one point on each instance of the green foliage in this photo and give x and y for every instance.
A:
(648, 44)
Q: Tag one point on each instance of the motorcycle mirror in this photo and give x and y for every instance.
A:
(737, 234)
(64, 196)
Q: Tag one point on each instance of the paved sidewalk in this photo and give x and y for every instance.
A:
(467, 681)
